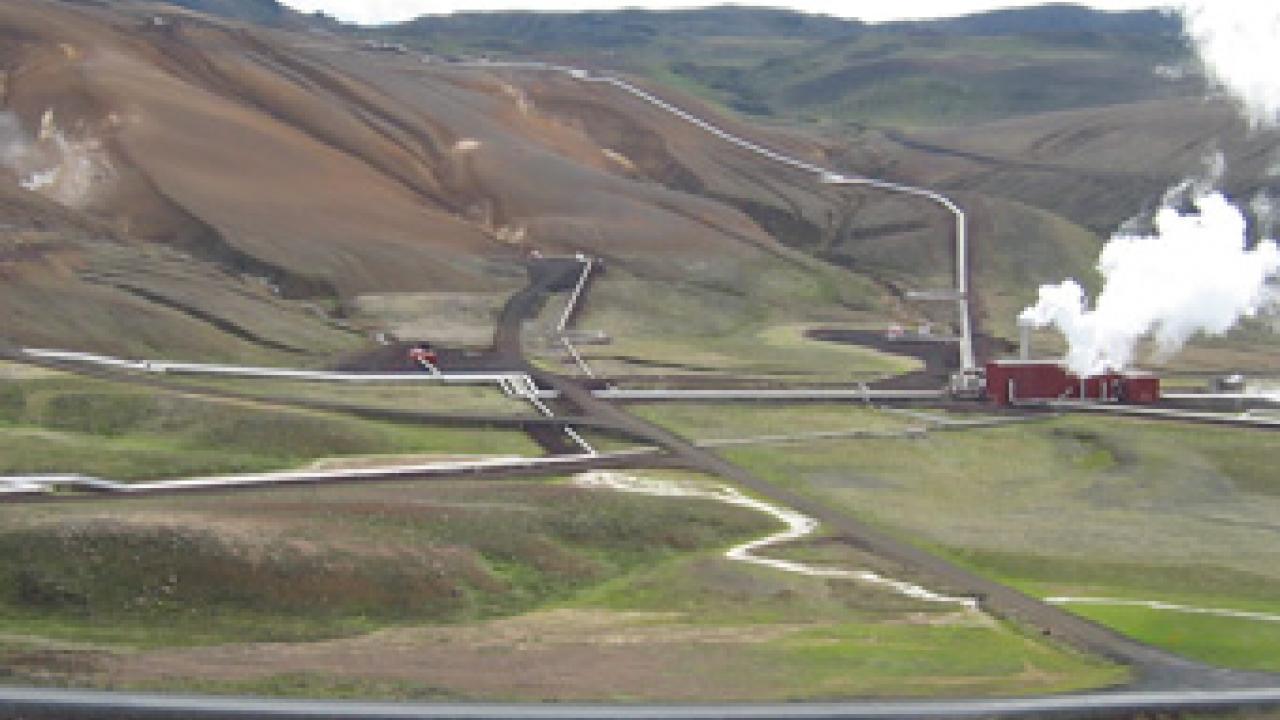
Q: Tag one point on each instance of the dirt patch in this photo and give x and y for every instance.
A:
(455, 318)
(564, 654)
(953, 619)
(34, 664)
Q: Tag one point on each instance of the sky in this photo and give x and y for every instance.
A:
(381, 11)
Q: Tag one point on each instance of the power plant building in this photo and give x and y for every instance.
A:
(1019, 380)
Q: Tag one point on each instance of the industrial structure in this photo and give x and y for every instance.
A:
(1012, 381)
(1024, 379)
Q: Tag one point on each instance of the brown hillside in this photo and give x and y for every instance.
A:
(328, 172)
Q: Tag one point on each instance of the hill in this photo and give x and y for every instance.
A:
(277, 195)
(284, 176)
(785, 64)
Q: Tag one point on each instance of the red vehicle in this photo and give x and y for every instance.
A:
(424, 356)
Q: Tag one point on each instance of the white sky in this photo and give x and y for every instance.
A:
(378, 11)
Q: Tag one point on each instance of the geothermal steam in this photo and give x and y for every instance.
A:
(52, 164)
(1238, 43)
(1193, 275)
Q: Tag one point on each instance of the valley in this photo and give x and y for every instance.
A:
(269, 494)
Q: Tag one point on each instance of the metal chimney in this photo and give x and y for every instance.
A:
(1024, 341)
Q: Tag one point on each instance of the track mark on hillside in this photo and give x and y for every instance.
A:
(798, 526)
(1166, 606)
(202, 315)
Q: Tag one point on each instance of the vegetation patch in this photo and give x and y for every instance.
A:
(68, 424)
(500, 590)
(749, 326)
(324, 562)
(822, 638)
(308, 686)
(415, 396)
(728, 420)
(1076, 507)
(1228, 642)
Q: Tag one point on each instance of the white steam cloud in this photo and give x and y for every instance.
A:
(1193, 275)
(64, 169)
(1239, 43)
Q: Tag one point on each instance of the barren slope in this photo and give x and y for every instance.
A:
(297, 165)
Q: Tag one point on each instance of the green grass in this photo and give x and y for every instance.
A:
(793, 71)
(774, 352)
(752, 326)
(67, 424)
(285, 565)
(910, 660)
(888, 77)
(1075, 506)
(424, 396)
(745, 419)
(133, 578)
(308, 686)
(1230, 642)
(841, 639)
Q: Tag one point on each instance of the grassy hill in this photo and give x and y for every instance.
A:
(777, 63)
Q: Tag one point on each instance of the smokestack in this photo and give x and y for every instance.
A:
(1024, 340)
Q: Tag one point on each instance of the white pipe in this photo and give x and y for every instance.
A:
(512, 384)
(1168, 606)
(573, 297)
(179, 368)
(45, 483)
(568, 314)
(825, 175)
(860, 395)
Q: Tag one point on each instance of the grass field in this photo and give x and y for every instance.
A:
(835, 638)
(525, 589)
(60, 423)
(327, 562)
(795, 67)
(421, 396)
(704, 421)
(1079, 507)
(659, 328)
(1230, 642)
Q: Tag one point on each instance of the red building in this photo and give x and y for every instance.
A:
(1011, 381)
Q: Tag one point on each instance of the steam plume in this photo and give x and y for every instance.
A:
(1237, 41)
(64, 169)
(1194, 274)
